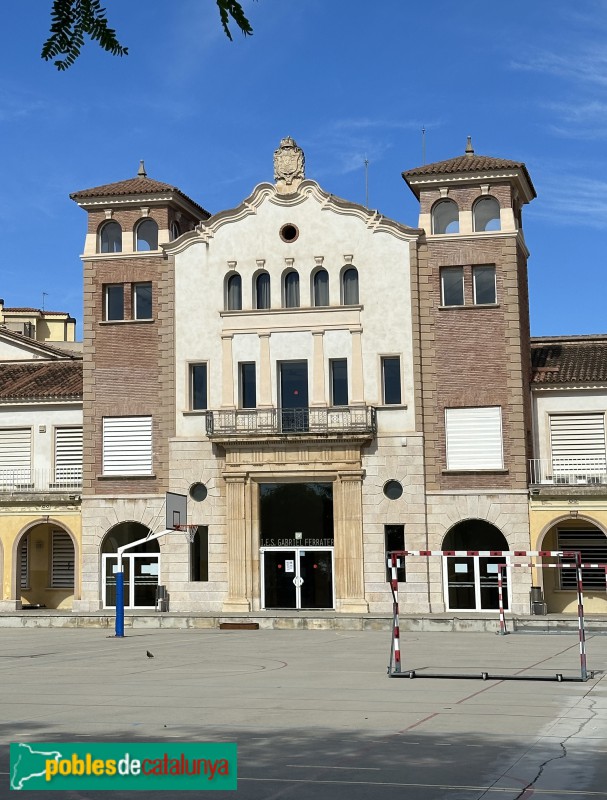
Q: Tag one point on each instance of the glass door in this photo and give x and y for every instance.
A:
(299, 578)
(471, 583)
(294, 396)
(141, 572)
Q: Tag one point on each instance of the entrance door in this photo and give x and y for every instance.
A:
(295, 415)
(140, 579)
(471, 583)
(300, 578)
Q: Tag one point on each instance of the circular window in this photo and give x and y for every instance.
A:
(198, 492)
(289, 232)
(393, 490)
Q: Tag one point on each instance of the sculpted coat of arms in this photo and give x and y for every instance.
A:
(289, 162)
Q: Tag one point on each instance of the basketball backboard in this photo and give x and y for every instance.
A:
(176, 510)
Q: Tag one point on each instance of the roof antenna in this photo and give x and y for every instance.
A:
(423, 144)
(366, 182)
(44, 294)
(141, 171)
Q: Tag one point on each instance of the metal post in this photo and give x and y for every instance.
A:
(500, 595)
(120, 598)
(580, 602)
(395, 621)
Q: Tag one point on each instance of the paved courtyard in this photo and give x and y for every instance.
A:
(314, 713)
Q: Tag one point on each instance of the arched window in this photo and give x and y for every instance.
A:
(349, 286)
(321, 288)
(175, 230)
(234, 294)
(262, 290)
(486, 214)
(146, 235)
(445, 217)
(110, 238)
(291, 294)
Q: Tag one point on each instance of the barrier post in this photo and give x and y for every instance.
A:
(120, 598)
(395, 611)
(500, 596)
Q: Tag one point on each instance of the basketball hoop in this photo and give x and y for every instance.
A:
(188, 530)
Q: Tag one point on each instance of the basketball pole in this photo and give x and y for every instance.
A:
(119, 625)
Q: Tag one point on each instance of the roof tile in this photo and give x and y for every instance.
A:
(47, 380)
(137, 185)
(569, 359)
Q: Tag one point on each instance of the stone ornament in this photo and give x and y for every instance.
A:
(289, 163)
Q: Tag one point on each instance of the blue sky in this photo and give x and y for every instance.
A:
(348, 79)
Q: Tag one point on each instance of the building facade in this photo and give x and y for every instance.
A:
(324, 384)
(40, 473)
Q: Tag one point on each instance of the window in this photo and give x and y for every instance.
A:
(114, 302)
(110, 238)
(142, 301)
(262, 290)
(127, 445)
(577, 445)
(393, 490)
(390, 366)
(349, 287)
(15, 456)
(146, 235)
(483, 279)
(486, 214)
(291, 296)
(248, 397)
(175, 230)
(474, 438)
(339, 382)
(445, 217)
(321, 288)
(234, 288)
(199, 555)
(452, 286)
(592, 545)
(198, 387)
(68, 456)
(394, 539)
(62, 561)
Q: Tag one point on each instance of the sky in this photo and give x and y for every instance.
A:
(349, 80)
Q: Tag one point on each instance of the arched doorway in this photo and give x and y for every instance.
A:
(45, 566)
(471, 581)
(560, 585)
(141, 566)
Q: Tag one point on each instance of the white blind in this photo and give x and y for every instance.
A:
(62, 561)
(577, 442)
(127, 446)
(474, 438)
(15, 455)
(68, 455)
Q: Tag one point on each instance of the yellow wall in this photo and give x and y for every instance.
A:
(12, 526)
(545, 515)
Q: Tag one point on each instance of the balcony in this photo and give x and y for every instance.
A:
(40, 481)
(580, 472)
(303, 422)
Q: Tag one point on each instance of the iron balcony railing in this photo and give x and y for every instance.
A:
(292, 421)
(38, 480)
(568, 472)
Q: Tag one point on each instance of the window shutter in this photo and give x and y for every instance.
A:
(24, 562)
(68, 455)
(578, 443)
(62, 562)
(127, 446)
(474, 438)
(15, 455)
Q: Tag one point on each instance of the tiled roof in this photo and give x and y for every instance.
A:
(569, 359)
(40, 380)
(137, 185)
(55, 349)
(18, 310)
(465, 163)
